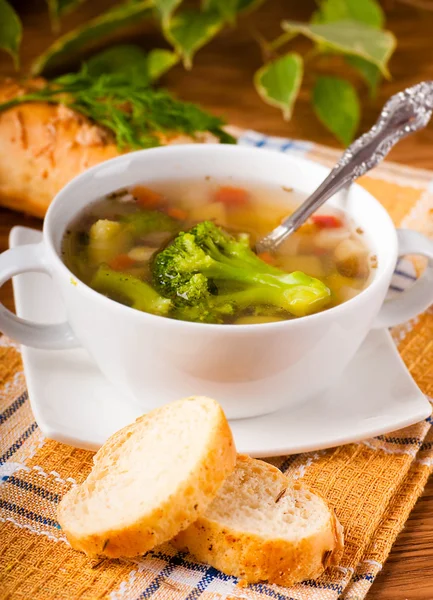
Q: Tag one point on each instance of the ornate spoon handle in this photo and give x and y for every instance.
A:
(403, 114)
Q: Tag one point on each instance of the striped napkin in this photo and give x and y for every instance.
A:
(372, 485)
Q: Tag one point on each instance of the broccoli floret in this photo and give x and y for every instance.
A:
(195, 302)
(192, 267)
(137, 293)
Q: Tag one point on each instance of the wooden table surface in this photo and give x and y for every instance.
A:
(221, 82)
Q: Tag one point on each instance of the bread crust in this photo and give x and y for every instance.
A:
(251, 557)
(43, 146)
(176, 512)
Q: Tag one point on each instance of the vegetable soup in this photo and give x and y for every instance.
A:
(185, 250)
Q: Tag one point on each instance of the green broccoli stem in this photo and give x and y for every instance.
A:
(244, 274)
(295, 292)
(299, 299)
(139, 293)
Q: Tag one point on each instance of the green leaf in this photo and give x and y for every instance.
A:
(369, 72)
(127, 59)
(58, 8)
(166, 8)
(231, 7)
(227, 9)
(249, 5)
(368, 12)
(189, 30)
(159, 61)
(350, 37)
(279, 81)
(10, 31)
(336, 104)
(131, 61)
(92, 32)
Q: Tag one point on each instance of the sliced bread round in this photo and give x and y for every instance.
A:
(150, 480)
(262, 527)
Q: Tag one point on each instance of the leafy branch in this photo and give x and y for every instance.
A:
(351, 31)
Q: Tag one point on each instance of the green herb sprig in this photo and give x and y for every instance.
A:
(132, 110)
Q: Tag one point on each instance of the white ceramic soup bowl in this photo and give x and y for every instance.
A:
(249, 369)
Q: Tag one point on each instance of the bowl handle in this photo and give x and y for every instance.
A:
(25, 259)
(418, 298)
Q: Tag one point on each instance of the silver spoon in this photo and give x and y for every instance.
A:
(403, 114)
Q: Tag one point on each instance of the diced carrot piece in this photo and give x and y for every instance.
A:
(121, 262)
(231, 196)
(146, 197)
(177, 213)
(267, 258)
(327, 221)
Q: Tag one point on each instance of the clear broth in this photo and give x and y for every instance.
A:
(329, 247)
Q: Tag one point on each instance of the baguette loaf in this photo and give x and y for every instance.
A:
(43, 146)
(262, 527)
(150, 480)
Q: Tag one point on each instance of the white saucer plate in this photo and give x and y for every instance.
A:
(73, 403)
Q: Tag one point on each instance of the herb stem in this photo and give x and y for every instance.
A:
(283, 39)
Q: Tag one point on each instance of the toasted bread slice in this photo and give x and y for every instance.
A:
(262, 527)
(150, 480)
